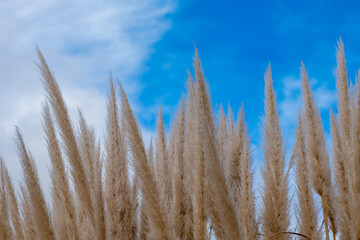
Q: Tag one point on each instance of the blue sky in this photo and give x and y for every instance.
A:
(236, 41)
(149, 45)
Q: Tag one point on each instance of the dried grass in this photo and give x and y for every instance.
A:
(197, 183)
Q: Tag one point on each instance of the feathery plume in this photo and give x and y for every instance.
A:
(158, 225)
(194, 160)
(275, 196)
(341, 180)
(39, 209)
(91, 157)
(144, 222)
(342, 136)
(307, 215)
(246, 198)
(219, 198)
(317, 154)
(235, 150)
(354, 169)
(342, 93)
(63, 216)
(78, 170)
(12, 204)
(26, 212)
(6, 231)
(180, 203)
(162, 164)
(117, 188)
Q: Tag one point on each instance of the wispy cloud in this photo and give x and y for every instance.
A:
(82, 41)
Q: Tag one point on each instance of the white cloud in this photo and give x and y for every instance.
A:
(325, 98)
(82, 41)
(290, 104)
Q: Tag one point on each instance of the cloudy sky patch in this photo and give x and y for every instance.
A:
(82, 41)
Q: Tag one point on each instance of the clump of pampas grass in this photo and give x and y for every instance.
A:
(194, 182)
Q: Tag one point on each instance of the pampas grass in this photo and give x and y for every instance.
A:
(275, 215)
(318, 155)
(162, 165)
(65, 222)
(159, 227)
(194, 182)
(12, 203)
(354, 165)
(195, 162)
(5, 228)
(38, 208)
(119, 208)
(307, 216)
(78, 168)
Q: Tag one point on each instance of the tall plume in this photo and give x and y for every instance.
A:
(275, 194)
(317, 154)
(64, 218)
(235, 150)
(180, 203)
(195, 162)
(307, 216)
(247, 198)
(39, 210)
(90, 153)
(219, 198)
(341, 181)
(12, 204)
(159, 227)
(343, 94)
(162, 164)
(6, 231)
(354, 179)
(144, 221)
(117, 188)
(26, 212)
(78, 170)
(342, 141)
